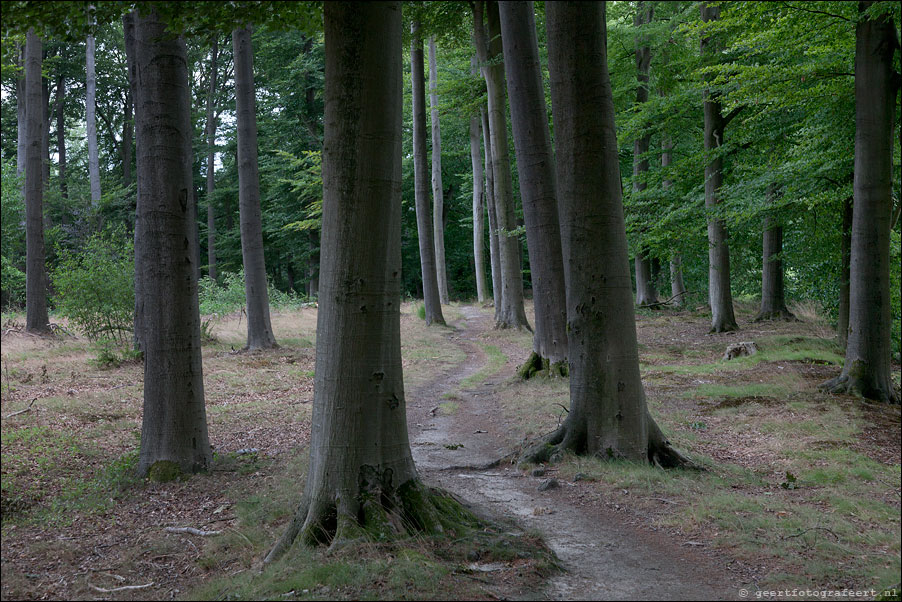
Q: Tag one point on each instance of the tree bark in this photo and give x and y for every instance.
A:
(21, 119)
(842, 326)
(608, 417)
(45, 131)
(489, 49)
(128, 31)
(36, 319)
(61, 134)
(91, 120)
(719, 294)
(431, 296)
(174, 429)
(256, 290)
(494, 245)
(210, 135)
(478, 201)
(362, 480)
(866, 371)
(532, 141)
(128, 127)
(773, 300)
(438, 202)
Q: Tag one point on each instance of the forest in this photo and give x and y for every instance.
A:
(451, 300)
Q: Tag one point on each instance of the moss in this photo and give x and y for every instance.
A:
(163, 471)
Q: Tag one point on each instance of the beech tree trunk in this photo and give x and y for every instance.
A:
(45, 130)
(478, 203)
(431, 297)
(128, 31)
(362, 479)
(489, 49)
(677, 288)
(532, 141)
(91, 121)
(608, 417)
(174, 429)
(842, 326)
(494, 245)
(719, 294)
(256, 290)
(438, 202)
(866, 371)
(61, 134)
(210, 135)
(773, 300)
(36, 319)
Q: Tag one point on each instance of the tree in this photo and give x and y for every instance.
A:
(90, 114)
(431, 296)
(719, 294)
(438, 205)
(362, 479)
(494, 242)
(36, 319)
(608, 415)
(532, 141)
(256, 289)
(773, 300)
(511, 313)
(210, 135)
(866, 370)
(677, 287)
(174, 429)
(478, 200)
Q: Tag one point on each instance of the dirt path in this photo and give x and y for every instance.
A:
(604, 558)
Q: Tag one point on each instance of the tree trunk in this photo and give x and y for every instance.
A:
(45, 132)
(174, 429)
(438, 202)
(866, 371)
(431, 297)
(646, 291)
(256, 290)
(489, 49)
(532, 141)
(21, 123)
(773, 300)
(36, 319)
(842, 326)
(91, 121)
(61, 134)
(361, 480)
(494, 244)
(478, 202)
(128, 31)
(210, 135)
(127, 133)
(608, 417)
(677, 288)
(719, 295)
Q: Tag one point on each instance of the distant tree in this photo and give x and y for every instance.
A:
(478, 200)
(36, 319)
(773, 299)
(438, 203)
(210, 139)
(91, 113)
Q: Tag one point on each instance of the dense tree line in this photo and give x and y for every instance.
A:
(692, 135)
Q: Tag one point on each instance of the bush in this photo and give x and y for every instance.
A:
(95, 289)
(13, 284)
(229, 296)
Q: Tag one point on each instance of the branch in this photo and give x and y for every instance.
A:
(103, 590)
(819, 12)
(729, 116)
(664, 302)
(11, 414)
(191, 531)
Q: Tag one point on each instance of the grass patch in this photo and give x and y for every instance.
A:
(495, 362)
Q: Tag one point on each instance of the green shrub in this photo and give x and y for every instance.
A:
(13, 283)
(95, 289)
(229, 296)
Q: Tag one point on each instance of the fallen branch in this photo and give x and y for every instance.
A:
(123, 588)
(191, 531)
(11, 414)
(665, 301)
(800, 533)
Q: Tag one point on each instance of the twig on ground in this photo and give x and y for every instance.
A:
(11, 414)
(800, 533)
(123, 588)
(191, 531)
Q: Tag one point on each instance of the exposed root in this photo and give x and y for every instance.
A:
(779, 314)
(847, 384)
(537, 365)
(715, 328)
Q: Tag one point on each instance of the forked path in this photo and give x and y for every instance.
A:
(604, 559)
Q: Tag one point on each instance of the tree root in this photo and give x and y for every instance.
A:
(378, 513)
(723, 328)
(847, 384)
(779, 314)
(537, 365)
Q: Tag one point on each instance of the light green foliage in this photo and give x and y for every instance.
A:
(94, 289)
(229, 296)
(12, 238)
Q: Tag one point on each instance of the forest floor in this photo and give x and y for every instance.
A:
(801, 489)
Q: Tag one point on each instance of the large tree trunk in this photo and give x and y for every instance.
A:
(361, 480)
(532, 141)
(210, 135)
(494, 244)
(719, 294)
(478, 203)
(489, 49)
(842, 325)
(773, 300)
(431, 297)
(438, 202)
(608, 417)
(866, 371)
(174, 429)
(256, 290)
(91, 121)
(61, 133)
(36, 319)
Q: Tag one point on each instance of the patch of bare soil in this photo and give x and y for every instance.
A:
(604, 555)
